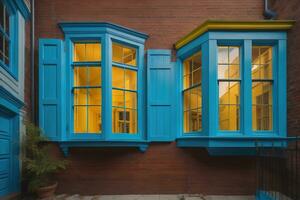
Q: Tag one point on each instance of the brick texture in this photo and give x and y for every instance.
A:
(291, 10)
(164, 168)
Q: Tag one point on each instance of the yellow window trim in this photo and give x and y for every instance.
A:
(234, 25)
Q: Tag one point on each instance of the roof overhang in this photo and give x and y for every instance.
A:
(218, 25)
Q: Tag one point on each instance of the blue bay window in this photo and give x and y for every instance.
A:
(98, 74)
(243, 84)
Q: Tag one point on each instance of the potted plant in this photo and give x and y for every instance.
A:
(38, 164)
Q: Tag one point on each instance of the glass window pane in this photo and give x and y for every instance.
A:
(197, 62)
(94, 76)
(87, 52)
(187, 81)
(131, 121)
(7, 22)
(118, 116)
(195, 98)
(118, 77)
(130, 100)
(222, 55)
(262, 93)
(130, 80)
(196, 117)
(80, 76)
(187, 67)
(224, 117)
(234, 92)
(256, 70)
(255, 56)
(196, 76)
(80, 119)
(94, 96)
(94, 119)
(223, 71)
(186, 100)
(234, 72)
(80, 96)
(265, 55)
(266, 72)
(123, 54)
(234, 118)
(234, 55)
(224, 93)
(186, 121)
(118, 98)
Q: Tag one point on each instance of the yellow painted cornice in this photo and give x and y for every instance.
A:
(234, 25)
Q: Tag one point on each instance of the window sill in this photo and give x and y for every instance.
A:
(229, 145)
(65, 145)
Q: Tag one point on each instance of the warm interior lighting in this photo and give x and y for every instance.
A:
(229, 87)
(87, 88)
(262, 98)
(124, 100)
(123, 54)
(192, 95)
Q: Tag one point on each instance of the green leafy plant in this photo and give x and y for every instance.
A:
(38, 164)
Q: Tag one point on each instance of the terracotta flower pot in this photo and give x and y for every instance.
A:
(46, 192)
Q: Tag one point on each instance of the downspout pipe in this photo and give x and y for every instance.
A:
(268, 13)
(32, 71)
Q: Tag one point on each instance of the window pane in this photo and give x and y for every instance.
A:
(87, 52)
(130, 80)
(80, 119)
(262, 62)
(6, 22)
(118, 120)
(187, 79)
(80, 96)
(262, 106)
(195, 98)
(118, 77)
(234, 55)
(196, 76)
(118, 98)
(222, 55)
(94, 76)
(94, 96)
(94, 119)
(186, 121)
(186, 100)
(224, 117)
(130, 100)
(234, 92)
(234, 72)
(131, 118)
(224, 93)
(80, 76)
(223, 71)
(123, 54)
(196, 117)
(262, 93)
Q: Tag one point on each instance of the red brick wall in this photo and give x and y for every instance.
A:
(164, 168)
(291, 10)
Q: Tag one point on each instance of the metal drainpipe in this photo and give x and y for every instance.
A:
(269, 14)
(32, 72)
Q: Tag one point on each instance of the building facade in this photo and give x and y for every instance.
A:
(162, 97)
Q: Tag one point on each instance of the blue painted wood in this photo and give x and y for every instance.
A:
(9, 152)
(160, 95)
(51, 88)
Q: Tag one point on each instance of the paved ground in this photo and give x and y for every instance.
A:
(151, 197)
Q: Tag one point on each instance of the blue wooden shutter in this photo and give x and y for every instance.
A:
(160, 93)
(51, 82)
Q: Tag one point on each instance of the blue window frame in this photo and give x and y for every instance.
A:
(8, 38)
(119, 88)
(243, 74)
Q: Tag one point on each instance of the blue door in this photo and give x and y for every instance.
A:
(9, 164)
